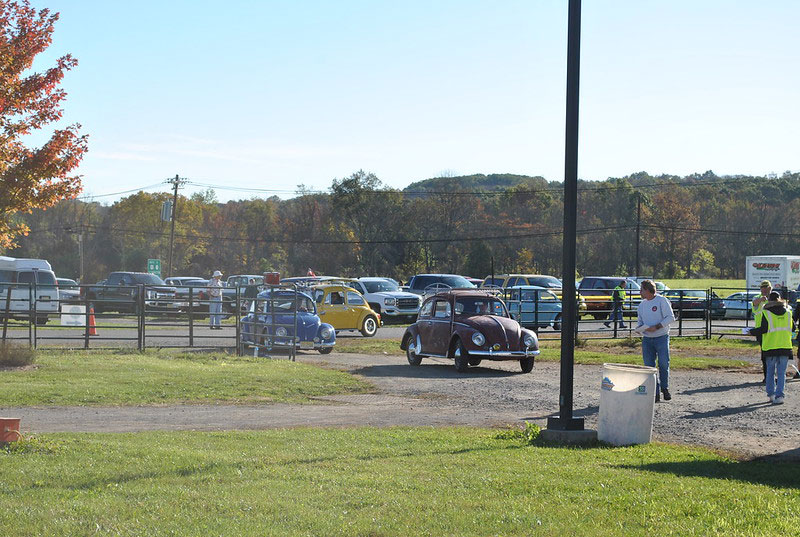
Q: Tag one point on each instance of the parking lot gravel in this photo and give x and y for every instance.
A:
(723, 410)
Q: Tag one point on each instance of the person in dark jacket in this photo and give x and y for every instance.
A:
(774, 325)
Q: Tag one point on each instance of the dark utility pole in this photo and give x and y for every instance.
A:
(176, 182)
(565, 421)
(638, 224)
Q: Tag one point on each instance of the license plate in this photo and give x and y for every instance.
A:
(306, 344)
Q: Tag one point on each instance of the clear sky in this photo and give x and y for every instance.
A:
(270, 95)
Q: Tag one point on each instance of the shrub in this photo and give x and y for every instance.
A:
(13, 355)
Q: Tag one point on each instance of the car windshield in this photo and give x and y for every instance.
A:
(470, 306)
(63, 282)
(545, 281)
(380, 286)
(421, 282)
(148, 279)
(285, 304)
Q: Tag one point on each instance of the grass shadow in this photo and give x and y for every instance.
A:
(784, 475)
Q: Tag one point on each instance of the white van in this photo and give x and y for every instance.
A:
(22, 276)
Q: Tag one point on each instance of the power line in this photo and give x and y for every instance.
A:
(125, 231)
(92, 196)
(559, 189)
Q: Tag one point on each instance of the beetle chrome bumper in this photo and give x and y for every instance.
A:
(505, 354)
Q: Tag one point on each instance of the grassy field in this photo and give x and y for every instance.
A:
(722, 287)
(383, 482)
(685, 353)
(95, 378)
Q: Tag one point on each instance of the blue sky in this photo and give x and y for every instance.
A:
(270, 95)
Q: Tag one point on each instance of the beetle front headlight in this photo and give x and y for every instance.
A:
(530, 341)
(478, 339)
(326, 332)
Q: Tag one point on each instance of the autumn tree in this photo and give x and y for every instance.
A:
(32, 178)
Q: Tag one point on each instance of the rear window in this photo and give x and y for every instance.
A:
(545, 281)
(421, 282)
(147, 279)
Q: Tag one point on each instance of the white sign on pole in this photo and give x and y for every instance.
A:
(73, 315)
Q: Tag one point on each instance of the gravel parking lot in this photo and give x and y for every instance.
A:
(724, 410)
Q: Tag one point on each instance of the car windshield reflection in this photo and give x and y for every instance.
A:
(480, 306)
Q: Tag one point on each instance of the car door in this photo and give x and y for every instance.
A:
(440, 327)
(334, 309)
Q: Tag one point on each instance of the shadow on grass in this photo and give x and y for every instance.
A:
(772, 474)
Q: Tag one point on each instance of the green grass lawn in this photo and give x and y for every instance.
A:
(686, 353)
(383, 482)
(722, 287)
(102, 378)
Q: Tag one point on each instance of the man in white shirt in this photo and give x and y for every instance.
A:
(654, 317)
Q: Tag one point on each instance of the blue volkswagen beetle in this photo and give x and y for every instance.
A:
(278, 314)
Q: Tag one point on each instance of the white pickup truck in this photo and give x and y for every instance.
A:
(385, 297)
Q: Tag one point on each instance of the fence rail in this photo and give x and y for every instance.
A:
(145, 316)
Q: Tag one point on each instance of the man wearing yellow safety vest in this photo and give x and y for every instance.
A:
(758, 305)
(774, 324)
(617, 297)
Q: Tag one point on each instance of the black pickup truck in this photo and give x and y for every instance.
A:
(121, 292)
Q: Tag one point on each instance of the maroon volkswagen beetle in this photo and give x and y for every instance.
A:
(468, 326)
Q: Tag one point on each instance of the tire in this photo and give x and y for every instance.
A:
(460, 357)
(557, 323)
(599, 316)
(326, 350)
(369, 326)
(474, 362)
(526, 364)
(411, 355)
(42, 319)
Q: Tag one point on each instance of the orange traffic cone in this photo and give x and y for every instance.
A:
(92, 329)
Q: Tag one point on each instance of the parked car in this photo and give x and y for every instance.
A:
(740, 305)
(534, 307)
(426, 284)
(68, 291)
(537, 280)
(282, 318)
(199, 287)
(694, 303)
(386, 298)
(120, 292)
(597, 291)
(345, 309)
(468, 326)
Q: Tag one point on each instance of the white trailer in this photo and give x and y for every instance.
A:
(24, 279)
(780, 270)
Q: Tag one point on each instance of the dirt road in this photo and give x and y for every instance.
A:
(726, 410)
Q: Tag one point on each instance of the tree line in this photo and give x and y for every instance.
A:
(700, 225)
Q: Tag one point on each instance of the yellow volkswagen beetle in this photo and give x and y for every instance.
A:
(345, 309)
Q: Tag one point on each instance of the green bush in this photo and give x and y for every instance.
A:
(13, 355)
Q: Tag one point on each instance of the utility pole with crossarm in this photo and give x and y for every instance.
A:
(176, 182)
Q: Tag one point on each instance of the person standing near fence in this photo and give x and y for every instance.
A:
(774, 325)
(758, 305)
(617, 298)
(215, 302)
(654, 315)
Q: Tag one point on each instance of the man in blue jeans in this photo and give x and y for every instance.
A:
(654, 315)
